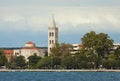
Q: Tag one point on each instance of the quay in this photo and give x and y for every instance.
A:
(59, 70)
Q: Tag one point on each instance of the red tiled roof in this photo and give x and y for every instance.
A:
(8, 51)
(80, 45)
(33, 48)
(29, 42)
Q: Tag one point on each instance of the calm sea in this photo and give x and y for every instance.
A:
(59, 76)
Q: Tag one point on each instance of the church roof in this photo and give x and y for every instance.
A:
(31, 48)
(8, 51)
(29, 42)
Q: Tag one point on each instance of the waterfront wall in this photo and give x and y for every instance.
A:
(59, 70)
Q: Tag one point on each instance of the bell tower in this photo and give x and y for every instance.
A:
(52, 34)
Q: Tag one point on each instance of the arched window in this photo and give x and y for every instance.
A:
(50, 41)
(50, 49)
(52, 34)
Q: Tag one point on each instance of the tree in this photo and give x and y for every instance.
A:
(81, 61)
(46, 54)
(44, 63)
(61, 50)
(98, 44)
(68, 62)
(3, 59)
(56, 62)
(17, 62)
(55, 51)
(66, 49)
(33, 60)
(117, 53)
(20, 62)
(12, 63)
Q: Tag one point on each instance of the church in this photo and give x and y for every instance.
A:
(26, 51)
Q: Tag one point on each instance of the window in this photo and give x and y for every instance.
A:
(52, 42)
(50, 49)
(52, 34)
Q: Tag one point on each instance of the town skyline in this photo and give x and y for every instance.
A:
(22, 21)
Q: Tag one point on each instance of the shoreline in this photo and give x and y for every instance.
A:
(59, 70)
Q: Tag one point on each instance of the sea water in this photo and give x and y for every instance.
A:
(59, 76)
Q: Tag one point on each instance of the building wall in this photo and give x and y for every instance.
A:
(52, 37)
(17, 52)
(28, 52)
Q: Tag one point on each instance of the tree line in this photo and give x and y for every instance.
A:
(97, 52)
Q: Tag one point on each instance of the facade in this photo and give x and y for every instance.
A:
(76, 48)
(30, 49)
(52, 35)
(116, 45)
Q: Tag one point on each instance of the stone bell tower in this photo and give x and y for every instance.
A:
(52, 35)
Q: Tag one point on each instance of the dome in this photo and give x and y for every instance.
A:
(30, 44)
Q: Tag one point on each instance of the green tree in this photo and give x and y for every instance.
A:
(96, 44)
(12, 63)
(46, 54)
(56, 62)
(33, 60)
(112, 57)
(61, 50)
(3, 59)
(106, 64)
(99, 44)
(44, 63)
(82, 62)
(68, 62)
(17, 62)
(20, 62)
(117, 53)
(66, 49)
(55, 51)
(112, 62)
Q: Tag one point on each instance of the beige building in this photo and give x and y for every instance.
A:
(28, 50)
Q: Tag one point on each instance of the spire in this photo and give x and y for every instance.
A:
(53, 22)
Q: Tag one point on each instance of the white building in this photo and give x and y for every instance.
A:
(116, 45)
(76, 48)
(28, 50)
(52, 35)
(16, 52)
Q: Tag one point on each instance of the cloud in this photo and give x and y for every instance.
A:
(98, 19)
(13, 18)
(67, 18)
(57, 3)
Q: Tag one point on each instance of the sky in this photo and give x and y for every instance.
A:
(28, 20)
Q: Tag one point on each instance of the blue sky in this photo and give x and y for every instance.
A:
(28, 20)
